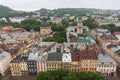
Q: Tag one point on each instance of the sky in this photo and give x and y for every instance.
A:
(32, 5)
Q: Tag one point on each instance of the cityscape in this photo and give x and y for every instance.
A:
(59, 42)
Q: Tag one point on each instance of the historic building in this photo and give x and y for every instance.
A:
(41, 61)
(54, 61)
(80, 28)
(23, 66)
(89, 60)
(74, 32)
(106, 65)
(15, 67)
(45, 30)
(5, 59)
(32, 63)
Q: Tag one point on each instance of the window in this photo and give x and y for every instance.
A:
(75, 29)
(48, 31)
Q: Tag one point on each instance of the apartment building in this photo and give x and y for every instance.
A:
(106, 65)
(5, 58)
(89, 60)
(54, 61)
(15, 67)
(32, 63)
(23, 66)
(41, 61)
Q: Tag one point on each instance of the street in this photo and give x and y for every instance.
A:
(9, 77)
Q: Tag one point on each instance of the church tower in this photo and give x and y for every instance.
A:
(45, 28)
(80, 28)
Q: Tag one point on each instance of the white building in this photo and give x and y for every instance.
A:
(5, 59)
(66, 57)
(106, 65)
(117, 34)
(3, 19)
(73, 31)
(17, 19)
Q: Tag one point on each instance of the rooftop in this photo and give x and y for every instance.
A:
(55, 57)
(105, 58)
(88, 54)
(116, 33)
(3, 54)
(109, 37)
(45, 24)
(66, 57)
(24, 59)
(16, 60)
(75, 55)
(33, 55)
(83, 40)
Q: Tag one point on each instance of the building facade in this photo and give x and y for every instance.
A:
(106, 65)
(32, 67)
(45, 28)
(5, 59)
(15, 67)
(23, 66)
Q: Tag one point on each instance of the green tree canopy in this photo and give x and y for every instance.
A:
(62, 75)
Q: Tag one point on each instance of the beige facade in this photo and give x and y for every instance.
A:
(89, 65)
(15, 69)
(41, 66)
(23, 66)
(5, 59)
(54, 65)
(45, 30)
(80, 28)
(76, 66)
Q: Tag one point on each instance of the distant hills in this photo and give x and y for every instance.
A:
(62, 11)
(5, 9)
(76, 11)
(8, 12)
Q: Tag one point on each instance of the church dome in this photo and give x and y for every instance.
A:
(45, 23)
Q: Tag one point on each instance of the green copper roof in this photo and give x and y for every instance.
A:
(32, 30)
(83, 40)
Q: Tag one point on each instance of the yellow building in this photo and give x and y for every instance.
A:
(84, 18)
(89, 60)
(23, 66)
(89, 65)
(15, 67)
(54, 65)
(45, 28)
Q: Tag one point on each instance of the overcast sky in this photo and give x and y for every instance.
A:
(31, 5)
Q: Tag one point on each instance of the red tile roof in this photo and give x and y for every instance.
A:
(116, 32)
(75, 56)
(7, 28)
(88, 54)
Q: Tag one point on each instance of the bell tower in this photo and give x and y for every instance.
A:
(80, 28)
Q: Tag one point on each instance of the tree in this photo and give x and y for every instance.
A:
(60, 74)
(110, 27)
(90, 23)
(29, 24)
(59, 37)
